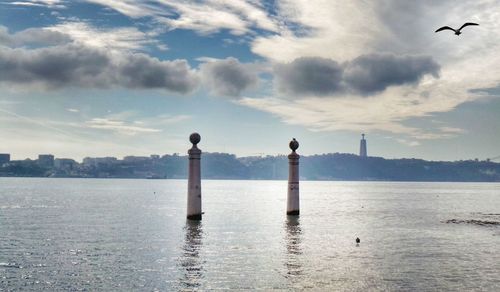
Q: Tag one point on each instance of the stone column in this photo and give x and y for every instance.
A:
(292, 203)
(194, 180)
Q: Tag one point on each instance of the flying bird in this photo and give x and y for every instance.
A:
(457, 31)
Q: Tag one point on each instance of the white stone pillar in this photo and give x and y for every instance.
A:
(292, 203)
(194, 180)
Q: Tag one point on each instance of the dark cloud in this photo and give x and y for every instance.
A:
(375, 72)
(228, 77)
(308, 75)
(142, 71)
(491, 91)
(365, 75)
(88, 67)
(32, 36)
(40, 36)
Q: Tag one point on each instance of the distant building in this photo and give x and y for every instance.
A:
(4, 158)
(135, 159)
(99, 161)
(65, 164)
(46, 160)
(362, 146)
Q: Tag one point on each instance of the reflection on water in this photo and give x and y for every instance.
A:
(293, 239)
(190, 263)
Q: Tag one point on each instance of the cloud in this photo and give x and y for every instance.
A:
(164, 120)
(385, 111)
(411, 143)
(366, 74)
(376, 57)
(308, 75)
(119, 38)
(116, 38)
(142, 71)
(336, 30)
(228, 77)
(386, 56)
(375, 72)
(236, 16)
(32, 36)
(74, 65)
(205, 17)
(41, 3)
(118, 126)
(131, 8)
(452, 130)
(128, 123)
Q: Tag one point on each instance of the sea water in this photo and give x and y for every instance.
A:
(132, 235)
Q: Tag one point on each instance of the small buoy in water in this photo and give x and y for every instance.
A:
(358, 240)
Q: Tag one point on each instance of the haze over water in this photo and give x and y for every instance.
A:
(91, 234)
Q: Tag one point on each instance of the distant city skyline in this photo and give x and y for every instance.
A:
(116, 78)
(332, 166)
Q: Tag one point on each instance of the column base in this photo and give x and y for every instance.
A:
(293, 213)
(194, 217)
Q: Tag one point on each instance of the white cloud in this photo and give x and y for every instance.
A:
(452, 130)
(129, 123)
(237, 16)
(132, 123)
(411, 143)
(343, 31)
(339, 30)
(166, 120)
(386, 111)
(42, 3)
(116, 38)
(120, 38)
(205, 17)
(121, 127)
(130, 8)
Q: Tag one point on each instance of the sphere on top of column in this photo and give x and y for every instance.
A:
(294, 144)
(195, 138)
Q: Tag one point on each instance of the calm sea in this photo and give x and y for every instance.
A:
(131, 235)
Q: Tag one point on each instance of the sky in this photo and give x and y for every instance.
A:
(121, 77)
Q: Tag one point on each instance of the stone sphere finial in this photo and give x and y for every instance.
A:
(195, 138)
(294, 144)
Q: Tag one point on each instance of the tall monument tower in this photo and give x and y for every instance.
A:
(362, 146)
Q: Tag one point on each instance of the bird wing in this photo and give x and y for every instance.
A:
(466, 24)
(443, 28)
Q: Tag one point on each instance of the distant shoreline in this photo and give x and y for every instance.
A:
(236, 179)
(223, 166)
